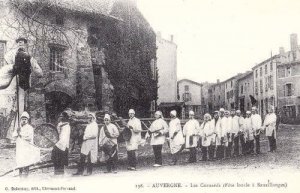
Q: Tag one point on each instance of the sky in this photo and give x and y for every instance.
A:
(217, 39)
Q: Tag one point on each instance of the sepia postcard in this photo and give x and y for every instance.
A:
(149, 96)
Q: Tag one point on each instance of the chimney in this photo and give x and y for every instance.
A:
(281, 50)
(218, 81)
(172, 38)
(294, 42)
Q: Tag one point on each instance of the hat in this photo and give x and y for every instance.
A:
(131, 111)
(158, 113)
(93, 115)
(216, 112)
(248, 112)
(253, 108)
(21, 39)
(191, 113)
(25, 114)
(107, 116)
(222, 110)
(238, 111)
(174, 113)
(207, 115)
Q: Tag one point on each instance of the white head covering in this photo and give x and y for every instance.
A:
(93, 115)
(158, 113)
(238, 111)
(191, 113)
(248, 112)
(107, 116)
(253, 108)
(174, 113)
(131, 111)
(222, 110)
(25, 114)
(207, 115)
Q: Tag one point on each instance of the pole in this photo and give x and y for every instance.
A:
(18, 108)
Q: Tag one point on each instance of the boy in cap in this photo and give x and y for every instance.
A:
(135, 126)
(26, 152)
(157, 130)
(191, 131)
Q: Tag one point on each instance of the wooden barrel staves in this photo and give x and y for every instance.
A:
(45, 136)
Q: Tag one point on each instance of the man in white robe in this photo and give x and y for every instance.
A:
(191, 132)
(135, 126)
(256, 125)
(26, 152)
(89, 147)
(158, 131)
(249, 134)
(270, 128)
(175, 136)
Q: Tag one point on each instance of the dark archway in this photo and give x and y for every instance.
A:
(56, 103)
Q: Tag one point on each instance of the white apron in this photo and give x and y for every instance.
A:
(26, 153)
(91, 145)
(135, 139)
(178, 141)
(191, 131)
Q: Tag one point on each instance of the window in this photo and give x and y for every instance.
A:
(219, 97)
(260, 71)
(56, 59)
(153, 69)
(281, 72)
(271, 82)
(256, 73)
(59, 20)
(261, 86)
(2, 52)
(290, 111)
(187, 97)
(241, 89)
(271, 67)
(256, 88)
(288, 71)
(288, 91)
(186, 88)
(152, 107)
(266, 84)
(266, 69)
(231, 84)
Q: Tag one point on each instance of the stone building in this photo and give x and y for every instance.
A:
(264, 79)
(245, 91)
(96, 56)
(206, 104)
(217, 96)
(288, 80)
(190, 93)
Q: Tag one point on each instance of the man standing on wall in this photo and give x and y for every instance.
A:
(23, 65)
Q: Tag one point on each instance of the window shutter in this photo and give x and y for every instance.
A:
(293, 89)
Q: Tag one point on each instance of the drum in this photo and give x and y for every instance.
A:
(126, 134)
(45, 136)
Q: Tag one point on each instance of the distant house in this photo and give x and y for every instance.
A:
(288, 81)
(96, 55)
(190, 93)
(217, 96)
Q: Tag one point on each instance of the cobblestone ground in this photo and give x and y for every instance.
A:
(287, 156)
